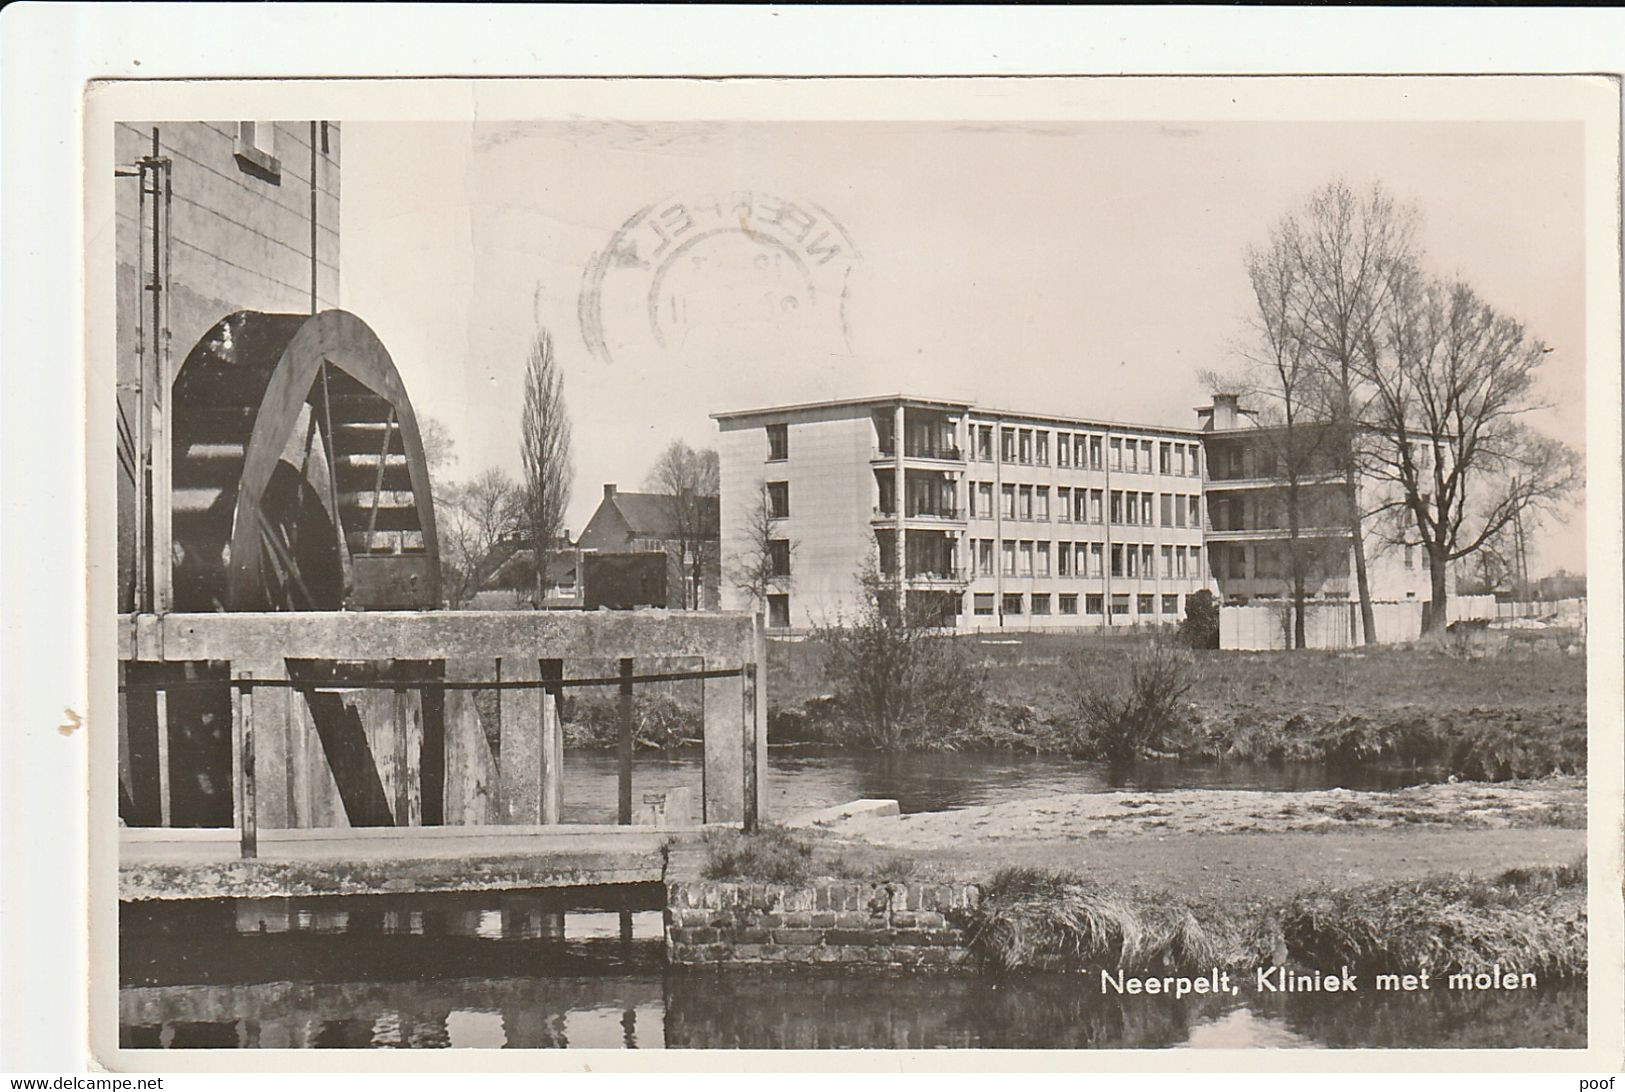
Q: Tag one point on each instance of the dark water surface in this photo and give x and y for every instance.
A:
(524, 974)
(804, 778)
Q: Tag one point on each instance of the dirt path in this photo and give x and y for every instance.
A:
(1256, 867)
(1245, 847)
(1557, 801)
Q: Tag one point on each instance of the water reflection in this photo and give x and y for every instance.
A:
(530, 972)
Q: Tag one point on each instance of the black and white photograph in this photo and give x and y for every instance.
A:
(893, 565)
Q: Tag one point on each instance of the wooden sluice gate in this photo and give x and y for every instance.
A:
(352, 774)
(296, 715)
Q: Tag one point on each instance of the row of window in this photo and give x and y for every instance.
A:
(1038, 603)
(1088, 451)
(1128, 507)
(1019, 557)
(1032, 446)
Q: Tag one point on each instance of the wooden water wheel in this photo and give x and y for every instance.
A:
(299, 484)
(299, 476)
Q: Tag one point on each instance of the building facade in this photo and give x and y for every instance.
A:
(654, 522)
(1251, 549)
(995, 519)
(210, 218)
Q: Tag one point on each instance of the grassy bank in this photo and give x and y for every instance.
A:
(1493, 718)
(1530, 919)
(1522, 920)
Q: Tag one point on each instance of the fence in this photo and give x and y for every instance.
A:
(322, 733)
(1267, 626)
(1551, 612)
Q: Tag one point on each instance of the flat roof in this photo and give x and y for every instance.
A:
(836, 403)
(968, 407)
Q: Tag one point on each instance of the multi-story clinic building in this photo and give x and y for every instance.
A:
(1248, 544)
(1002, 519)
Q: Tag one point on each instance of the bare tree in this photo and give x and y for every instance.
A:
(689, 479)
(473, 518)
(1452, 382)
(764, 563)
(545, 451)
(1344, 247)
(438, 445)
(1288, 398)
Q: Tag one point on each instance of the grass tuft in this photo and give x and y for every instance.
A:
(1030, 919)
(1530, 919)
(771, 855)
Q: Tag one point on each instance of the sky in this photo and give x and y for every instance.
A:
(1093, 269)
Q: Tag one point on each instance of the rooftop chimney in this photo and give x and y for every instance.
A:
(609, 490)
(1224, 410)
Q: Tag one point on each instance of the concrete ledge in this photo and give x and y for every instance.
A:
(820, 817)
(389, 860)
(723, 639)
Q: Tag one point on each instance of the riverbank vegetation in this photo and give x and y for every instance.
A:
(1524, 920)
(1521, 921)
(1515, 715)
(1494, 718)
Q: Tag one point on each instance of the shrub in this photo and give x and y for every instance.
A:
(897, 676)
(659, 719)
(1200, 627)
(1122, 715)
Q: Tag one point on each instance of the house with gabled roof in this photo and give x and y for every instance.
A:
(687, 531)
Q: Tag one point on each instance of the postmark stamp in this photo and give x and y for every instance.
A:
(742, 266)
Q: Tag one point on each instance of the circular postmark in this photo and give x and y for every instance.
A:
(737, 270)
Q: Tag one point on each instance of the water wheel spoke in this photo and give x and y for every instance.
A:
(272, 535)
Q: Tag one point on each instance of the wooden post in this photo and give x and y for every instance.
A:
(126, 774)
(403, 771)
(623, 748)
(248, 821)
(552, 743)
(519, 759)
(165, 807)
(747, 721)
(432, 749)
(758, 656)
(552, 750)
(272, 737)
(236, 757)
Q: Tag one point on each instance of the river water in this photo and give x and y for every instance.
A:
(522, 975)
(528, 970)
(803, 778)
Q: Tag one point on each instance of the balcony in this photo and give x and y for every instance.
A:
(1270, 534)
(941, 514)
(939, 575)
(1214, 485)
(947, 453)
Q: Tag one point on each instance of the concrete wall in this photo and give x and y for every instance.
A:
(240, 239)
(832, 500)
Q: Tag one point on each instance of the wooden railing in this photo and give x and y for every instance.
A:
(278, 746)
